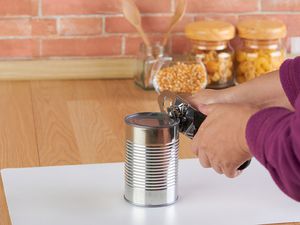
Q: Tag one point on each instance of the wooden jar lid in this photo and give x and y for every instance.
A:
(210, 30)
(261, 29)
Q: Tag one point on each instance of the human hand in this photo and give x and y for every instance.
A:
(265, 91)
(209, 96)
(220, 142)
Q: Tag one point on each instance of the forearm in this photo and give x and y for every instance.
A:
(273, 134)
(264, 91)
(273, 138)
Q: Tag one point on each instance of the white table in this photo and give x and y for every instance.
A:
(93, 195)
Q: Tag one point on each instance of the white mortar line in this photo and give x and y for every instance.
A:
(172, 6)
(259, 5)
(123, 45)
(40, 47)
(58, 25)
(151, 14)
(40, 11)
(103, 25)
(16, 37)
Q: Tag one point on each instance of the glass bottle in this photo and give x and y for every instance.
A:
(210, 43)
(261, 50)
(146, 59)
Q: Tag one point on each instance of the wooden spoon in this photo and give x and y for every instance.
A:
(179, 12)
(133, 15)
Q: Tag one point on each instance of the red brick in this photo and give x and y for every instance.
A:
(62, 7)
(43, 27)
(118, 25)
(150, 6)
(132, 43)
(281, 5)
(18, 48)
(65, 7)
(18, 7)
(150, 24)
(161, 23)
(99, 46)
(292, 21)
(229, 18)
(180, 44)
(15, 27)
(210, 6)
(34, 7)
(80, 26)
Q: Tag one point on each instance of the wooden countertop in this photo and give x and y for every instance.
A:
(47, 123)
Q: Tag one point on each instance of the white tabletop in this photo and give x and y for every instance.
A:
(93, 195)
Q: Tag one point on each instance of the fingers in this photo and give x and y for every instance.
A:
(228, 171)
(203, 159)
(217, 168)
(205, 162)
(194, 100)
(207, 109)
(231, 171)
(203, 108)
(194, 148)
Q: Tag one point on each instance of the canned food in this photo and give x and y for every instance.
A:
(151, 159)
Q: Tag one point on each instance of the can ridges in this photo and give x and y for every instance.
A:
(151, 161)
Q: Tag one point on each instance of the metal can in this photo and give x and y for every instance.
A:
(151, 161)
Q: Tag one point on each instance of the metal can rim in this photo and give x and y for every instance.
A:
(140, 114)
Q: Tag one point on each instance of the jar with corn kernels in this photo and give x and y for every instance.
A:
(261, 50)
(210, 44)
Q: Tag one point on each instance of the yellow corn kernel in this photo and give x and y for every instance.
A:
(182, 77)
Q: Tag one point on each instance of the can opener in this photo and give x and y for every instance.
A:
(189, 118)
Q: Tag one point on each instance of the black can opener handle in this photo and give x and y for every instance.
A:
(190, 119)
(198, 120)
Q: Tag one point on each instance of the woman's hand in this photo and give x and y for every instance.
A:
(220, 142)
(210, 96)
(264, 91)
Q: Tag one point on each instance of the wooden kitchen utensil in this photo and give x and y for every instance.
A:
(179, 12)
(132, 14)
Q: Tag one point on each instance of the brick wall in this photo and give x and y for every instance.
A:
(93, 28)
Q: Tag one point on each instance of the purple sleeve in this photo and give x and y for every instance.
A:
(290, 78)
(273, 134)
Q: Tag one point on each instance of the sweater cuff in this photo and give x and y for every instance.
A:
(290, 78)
(260, 127)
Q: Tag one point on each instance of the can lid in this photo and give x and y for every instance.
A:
(151, 120)
(210, 30)
(261, 29)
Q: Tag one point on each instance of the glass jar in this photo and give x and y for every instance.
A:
(147, 57)
(210, 45)
(261, 50)
(180, 76)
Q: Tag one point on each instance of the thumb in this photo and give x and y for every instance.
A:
(205, 109)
